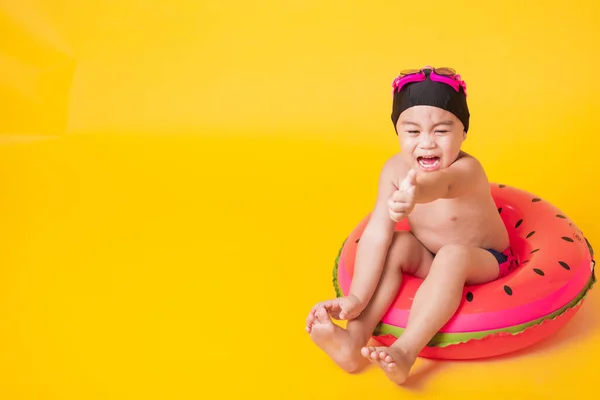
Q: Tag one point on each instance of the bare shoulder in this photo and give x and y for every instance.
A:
(468, 161)
(469, 166)
(466, 176)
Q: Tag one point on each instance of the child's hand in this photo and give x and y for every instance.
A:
(347, 307)
(402, 201)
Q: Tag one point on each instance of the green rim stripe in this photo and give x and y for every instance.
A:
(447, 339)
(336, 285)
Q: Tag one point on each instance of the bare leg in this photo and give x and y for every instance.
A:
(344, 346)
(435, 303)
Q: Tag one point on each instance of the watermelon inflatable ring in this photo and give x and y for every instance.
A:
(552, 273)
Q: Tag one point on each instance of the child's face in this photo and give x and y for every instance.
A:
(430, 137)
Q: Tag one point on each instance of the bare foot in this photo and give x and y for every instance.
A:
(392, 360)
(336, 342)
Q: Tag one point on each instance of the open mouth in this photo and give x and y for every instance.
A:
(428, 163)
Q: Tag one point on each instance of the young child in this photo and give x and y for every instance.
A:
(456, 237)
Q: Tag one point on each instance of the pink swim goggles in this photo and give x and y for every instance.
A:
(443, 75)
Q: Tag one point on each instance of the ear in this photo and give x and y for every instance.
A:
(464, 135)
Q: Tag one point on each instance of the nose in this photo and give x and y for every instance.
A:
(426, 141)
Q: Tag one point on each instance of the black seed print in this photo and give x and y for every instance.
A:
(534, 251)
(517, 263)
(524, 262)
(567, 239)
(538, 271)
(469, 297)
(530, 234)
(564, 265)
(357, 240)
(519, 222)
(511, 252)
(560, 216)
(508, 290)
(501, 186)
(536, 200)
(499, 210)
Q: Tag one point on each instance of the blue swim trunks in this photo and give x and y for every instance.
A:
(506, 261)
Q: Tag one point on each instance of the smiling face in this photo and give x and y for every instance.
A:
(430, 137)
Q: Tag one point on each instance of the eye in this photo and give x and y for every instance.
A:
(413, 132)
(442, 132)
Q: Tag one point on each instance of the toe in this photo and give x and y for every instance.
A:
(313, 312)
(368, 351)
(321, 315)
(310, 320)
(365, 352)
(316, 307)
(374, 355)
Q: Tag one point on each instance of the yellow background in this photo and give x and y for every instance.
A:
(177, 177)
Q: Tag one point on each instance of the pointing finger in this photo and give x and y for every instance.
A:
(412, 177)
(408, 181)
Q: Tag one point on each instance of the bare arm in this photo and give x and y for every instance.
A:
(457, 180)
(375, 240)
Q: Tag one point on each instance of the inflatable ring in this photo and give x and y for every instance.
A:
(553, 271)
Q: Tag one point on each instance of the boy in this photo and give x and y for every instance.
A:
(456, 237)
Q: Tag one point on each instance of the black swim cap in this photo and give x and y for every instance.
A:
(430, 93)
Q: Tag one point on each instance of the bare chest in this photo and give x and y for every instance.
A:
(468, 221)
(438, 215)
(446, 221)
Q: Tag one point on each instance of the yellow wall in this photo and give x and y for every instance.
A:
(204, 162)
